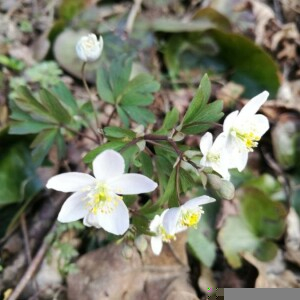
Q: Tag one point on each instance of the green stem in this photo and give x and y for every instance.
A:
(91, 101)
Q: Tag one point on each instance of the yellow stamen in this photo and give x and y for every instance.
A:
(101, 199)
(191, 217)
(249, 139)
(166, 237)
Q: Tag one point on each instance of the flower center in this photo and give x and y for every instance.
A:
(101, 199)
(191, 217)
(166, 237)
(213, 156)
(249, 139)
(89, 42)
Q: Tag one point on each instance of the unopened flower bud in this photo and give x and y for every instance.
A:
(178, 136)
(88, 48)
(127, 251)
(223, 188)
(141, 243)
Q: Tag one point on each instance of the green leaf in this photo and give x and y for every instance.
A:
(104, 87)
(170, 121)
(120, 133)
(28, 103)
(164, 169)
(27, 127)
(147, 166)
(199, 101)
(201, 247)
(139, 91)
(266, 251)
(120, 71)
(252, 66)
(123, 116)
(265, 217)
(61, 146)
(140, 115)
(170, 194)
(235, 237)
(129, 155)
(205, 118)
(186, 180)
(114, 145)
(54, 107)
(65, 96)
(42, 144)
(18, 179)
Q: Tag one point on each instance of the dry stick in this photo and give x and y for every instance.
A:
(91, 100)
(132, 15)
(32, 267)
(27, 246)
(26, 239)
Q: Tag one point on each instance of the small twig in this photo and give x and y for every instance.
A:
(153, 137)
(132, 15)
(111, 116)
(91, 100)
(26, 239)
(81, 134)
(32, 268)
(27, 247)
(177, 178)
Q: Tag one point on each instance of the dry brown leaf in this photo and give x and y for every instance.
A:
(206, 280)
(273, 274)
(107, 274)
(230, 93)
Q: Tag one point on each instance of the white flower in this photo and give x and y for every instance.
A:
(156, 226)
(88, 48)
(177, 219)
(244, 129)
(214, 155)
(97, 199)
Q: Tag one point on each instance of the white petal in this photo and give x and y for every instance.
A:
(100, 44)
(155, 223)
(195, 202)
(70, 182)
(240, 160)
(206, 143)
(80, 51)
(156, 244)
(131, 184)
(170, 220)
(253, 105)
(261, 124)
(219, 143)
(204, 162)
(222, 170)
(91, 220)
(116, 222)
(73, 209)
(230, 121)
(108, 164)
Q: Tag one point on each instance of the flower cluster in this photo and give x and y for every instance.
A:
(99, 201)
(241, 133)
(175, 220)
